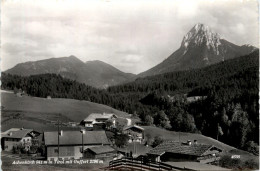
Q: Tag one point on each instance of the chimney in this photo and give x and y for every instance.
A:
(189, 142)
(22, 128)
(10, 134)
(61, 132)
(195, 142)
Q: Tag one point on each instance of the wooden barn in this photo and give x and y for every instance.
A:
(103, 153)
(71, 144)
(188, 151)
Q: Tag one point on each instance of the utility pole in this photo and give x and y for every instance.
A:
(59, 136)
(82, 132)
(217, 130)
(179, 138)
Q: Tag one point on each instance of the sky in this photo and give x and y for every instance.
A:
(131, 35)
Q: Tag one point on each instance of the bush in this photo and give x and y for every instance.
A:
(121, 140)
(148, 120)
(227, 162)
(42, 150)
(252, 147)
(148, 139)
(15, 150)
(157, 141)
(251, 164)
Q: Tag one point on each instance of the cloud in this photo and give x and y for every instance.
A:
(131, 35)
(132, 58)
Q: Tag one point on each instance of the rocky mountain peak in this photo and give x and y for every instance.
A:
(200, 35)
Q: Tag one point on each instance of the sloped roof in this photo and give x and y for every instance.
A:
(181, 148)
(93, 116)
(196, 166)
(16, 133)
(133, 126)
(75, 138)
(101, 149)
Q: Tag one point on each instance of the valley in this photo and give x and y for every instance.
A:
(202, 99)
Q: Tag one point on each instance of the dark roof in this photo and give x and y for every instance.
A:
(16, 133)
(181, 148)
(101, 149)
(133, 126)
(75, 138)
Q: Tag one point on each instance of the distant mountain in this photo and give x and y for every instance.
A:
(200, 47)
(94, 73)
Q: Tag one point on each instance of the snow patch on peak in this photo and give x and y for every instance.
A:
(199, 35)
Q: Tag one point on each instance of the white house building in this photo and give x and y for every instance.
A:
(99, 119)
(17, 136)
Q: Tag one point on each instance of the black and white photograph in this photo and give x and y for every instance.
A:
(129, 85)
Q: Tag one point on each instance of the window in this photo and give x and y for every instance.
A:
(56, 150)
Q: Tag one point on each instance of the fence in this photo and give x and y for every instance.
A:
(139, 164)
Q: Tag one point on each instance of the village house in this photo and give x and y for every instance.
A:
(135, 133)
(98, 120)
(71, 144)
(171, 151)
(102, 153)
(17, 136)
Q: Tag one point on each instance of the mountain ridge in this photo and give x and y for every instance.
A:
(94, 73)
(200, 47)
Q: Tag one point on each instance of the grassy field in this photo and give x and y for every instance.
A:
(33, 112)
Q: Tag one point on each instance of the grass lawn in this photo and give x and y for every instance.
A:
(36, 113)
(75, 110)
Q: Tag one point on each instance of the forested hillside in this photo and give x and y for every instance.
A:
(228, 110)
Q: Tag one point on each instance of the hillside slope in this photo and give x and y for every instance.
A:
(47, 109)
(94, 73)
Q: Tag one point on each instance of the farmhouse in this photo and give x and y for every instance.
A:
(135, 133)
(17, 136)
(71, 144)
(177, 151)
(99, 119)
(103, 153)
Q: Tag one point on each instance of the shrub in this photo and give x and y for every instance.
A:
(252, 147)
(14, 150)
(251, 164)
(227, 162)
(157, 141)
(121, 140)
